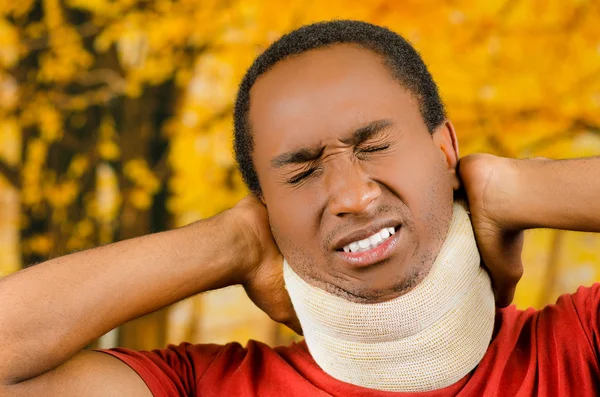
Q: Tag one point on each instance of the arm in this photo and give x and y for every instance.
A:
(49, 312)
(507, 196)
(557, 194)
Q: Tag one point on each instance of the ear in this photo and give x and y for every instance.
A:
(444, 137)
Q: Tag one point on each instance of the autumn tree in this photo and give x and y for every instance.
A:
(90, 90)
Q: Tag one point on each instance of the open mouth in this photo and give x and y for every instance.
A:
(372, 241)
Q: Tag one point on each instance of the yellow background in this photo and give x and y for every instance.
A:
(115, 121)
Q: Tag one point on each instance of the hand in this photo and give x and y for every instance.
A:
(262, 276)
(486, 180)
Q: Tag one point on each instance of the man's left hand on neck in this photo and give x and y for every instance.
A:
(507, 196)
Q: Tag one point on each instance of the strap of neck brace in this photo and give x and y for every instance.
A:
(424, 340)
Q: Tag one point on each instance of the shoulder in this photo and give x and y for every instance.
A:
(180, 369)
(566, 331)
(235, 357)
(532, 347)
(583, 309)
(171, 371)
(581, 306)
(573, 314)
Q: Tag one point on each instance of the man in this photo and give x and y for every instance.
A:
(342, 138)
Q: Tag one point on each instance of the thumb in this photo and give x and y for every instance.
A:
(501, 255)
(267, 290)
(294, 325)
(283, 312)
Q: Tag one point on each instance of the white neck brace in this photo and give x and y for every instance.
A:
(424, 340)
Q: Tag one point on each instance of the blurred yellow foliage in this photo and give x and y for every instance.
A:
(115, 115)
(41, 244)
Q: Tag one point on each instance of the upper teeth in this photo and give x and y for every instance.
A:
(371, 241)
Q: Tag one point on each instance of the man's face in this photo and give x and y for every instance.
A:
(343, 154)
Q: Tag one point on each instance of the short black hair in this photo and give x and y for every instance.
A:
(399, 56)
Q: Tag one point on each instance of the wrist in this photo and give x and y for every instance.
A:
(491, 183)
(232, 244)
(245, 245)
(536, 196)
(505, 188)
(520, 189)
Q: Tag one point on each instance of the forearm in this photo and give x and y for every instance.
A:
(559, 194)
(51, 311)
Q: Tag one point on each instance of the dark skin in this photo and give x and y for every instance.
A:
(43, 338)
(348, 149)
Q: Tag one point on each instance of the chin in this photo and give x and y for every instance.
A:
(402, 284)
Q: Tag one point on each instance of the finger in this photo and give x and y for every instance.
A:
(295, 326)
(286, 316)
(280, 304)
(289, 317)
(291, 320)
(504, 281)
(504, 295)
(502, 258)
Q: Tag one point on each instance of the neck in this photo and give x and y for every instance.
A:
(426, 339)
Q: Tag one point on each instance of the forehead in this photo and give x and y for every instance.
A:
(322, 93)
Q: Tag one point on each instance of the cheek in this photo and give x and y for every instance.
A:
(291, 223)
(417, 177)
(411, 173)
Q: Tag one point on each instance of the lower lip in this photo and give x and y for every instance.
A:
(374, 255)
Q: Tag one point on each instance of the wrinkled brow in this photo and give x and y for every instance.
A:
(304, 154)
(366, 132)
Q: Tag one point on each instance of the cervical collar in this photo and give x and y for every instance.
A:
(426, 339)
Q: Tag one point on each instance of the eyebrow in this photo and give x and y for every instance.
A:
(306, 154)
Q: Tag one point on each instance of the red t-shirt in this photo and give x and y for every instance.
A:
(550, 352)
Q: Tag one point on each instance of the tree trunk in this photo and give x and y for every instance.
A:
(140, 138)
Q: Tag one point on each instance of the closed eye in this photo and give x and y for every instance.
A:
(301, 176)
(371, 149)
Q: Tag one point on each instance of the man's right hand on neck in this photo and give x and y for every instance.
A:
(262, 276)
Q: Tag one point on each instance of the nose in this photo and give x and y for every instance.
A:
(351, 190)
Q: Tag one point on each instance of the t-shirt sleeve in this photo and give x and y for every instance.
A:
(587, 306)
(171, 372)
